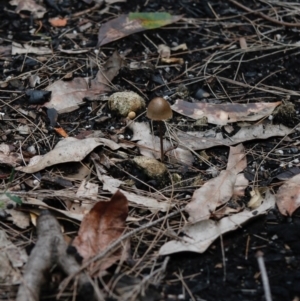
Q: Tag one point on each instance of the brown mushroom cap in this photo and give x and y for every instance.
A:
(159, 109)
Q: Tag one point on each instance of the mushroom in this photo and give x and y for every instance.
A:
(159, 110)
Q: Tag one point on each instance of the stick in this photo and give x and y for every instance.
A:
(49, 251)
(264, 275)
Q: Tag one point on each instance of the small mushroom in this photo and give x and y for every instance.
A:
(159, 110)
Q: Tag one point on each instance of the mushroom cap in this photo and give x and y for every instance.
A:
(159, 109)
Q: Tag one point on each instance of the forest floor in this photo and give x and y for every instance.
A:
(230, 71)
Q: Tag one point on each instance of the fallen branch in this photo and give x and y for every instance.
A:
(49, 251)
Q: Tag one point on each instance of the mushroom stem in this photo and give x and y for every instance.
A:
(161, 141)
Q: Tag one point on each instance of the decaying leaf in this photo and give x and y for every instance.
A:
(68, 95)
(112, 185)
(40, 204)
(237, 159)
(68, 150)
(240, 185)
(198, 237)
(212, 194)
(219, 190)
(58, 22)
(204, 140)
(125, 25)
(37, 10)
(288, 196)
(149, 145)
(26, 48)
(100, 227)
(8, 157)
(19, 218)
(222, 114)
(88, 190)
(11, 257)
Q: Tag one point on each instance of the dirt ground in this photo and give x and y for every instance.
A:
(239, 52)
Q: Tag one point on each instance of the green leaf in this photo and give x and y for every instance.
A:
(152, 20)
(14, 198)
(12, 175)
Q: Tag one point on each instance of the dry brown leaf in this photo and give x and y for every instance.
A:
(112, 185)
(221, 114)
(10, 256)
(37, 10)
(204, 140)
(19, 218)
(125, 25)
(198, 237)
(107, 72)
(288, 196)
(26, 48)
(219, 190)
(212, 194)
(68, 95)
(240, 185)
(237, 159)
(100, 227)
(61, 132)
(8, 157)
(149, 145)
(68, 150)
(58, 22)
(88, 190)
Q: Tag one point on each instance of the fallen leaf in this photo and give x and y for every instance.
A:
(204, 140)
(112, 185)
(58, 22)
(68, 95)
(100, 227)
(149, 145)
(26, 48)
(237, 158)
(88, 190)
(221, 114)
(68, 150)
(40, 204)
(256, 199)
(219, 190)
(37, 10)
(11, 257)
(125, 25)
(212, 194)
(198, 237)
(240, 185)
(61, 132)
(19, 218)
(288, 196)
(107, 73)
(9, 157)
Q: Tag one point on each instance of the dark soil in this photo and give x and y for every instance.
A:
(228, 270)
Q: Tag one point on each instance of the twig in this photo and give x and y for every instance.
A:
(86, 11)
(49, 251)
(264, 275)
(113, 246)
(247, 9)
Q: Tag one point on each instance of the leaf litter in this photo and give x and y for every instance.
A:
(246, 104)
